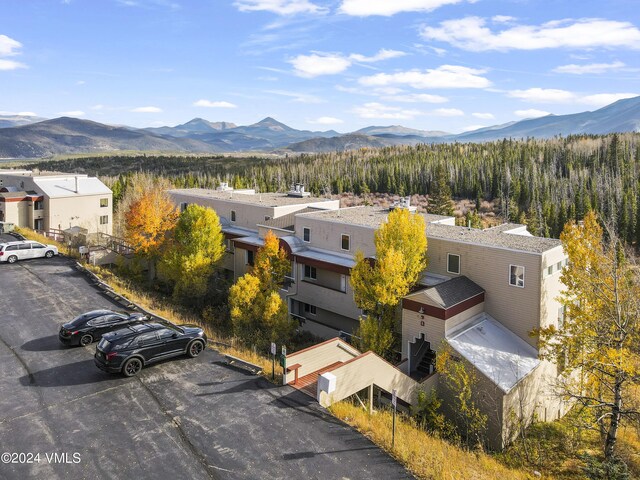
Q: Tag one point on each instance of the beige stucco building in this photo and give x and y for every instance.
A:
(483, 293)
(48, 201)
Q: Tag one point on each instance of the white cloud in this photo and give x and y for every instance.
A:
(417, 98)
(280, 7)
(471, 33)
(72, 113)
(146, 110)
(297, 97)
(549, 95)
(448, 112)
(543, 95)
(530, 113)
(502, 19)
(21, 114)
(318, 63)
(484, 116)
(9, 48)
(378, 110)
(80, 82)
(99, 106)
(212, 104)
(10, 64)
(325, 121)
(383, 54)
(589, 68)
(603, 99)
(365, 8)
(445, 76)
(470, 128)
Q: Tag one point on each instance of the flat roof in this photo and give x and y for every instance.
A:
(509, 235)
(60, 186)
(494, 350)
(368, 216)
(264, 199)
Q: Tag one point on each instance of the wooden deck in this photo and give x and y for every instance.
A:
(309, 383)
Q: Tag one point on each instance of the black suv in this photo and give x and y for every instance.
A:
(129, 349)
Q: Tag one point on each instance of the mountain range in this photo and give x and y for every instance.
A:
(29, 137)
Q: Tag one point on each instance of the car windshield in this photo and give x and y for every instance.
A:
(170, 325)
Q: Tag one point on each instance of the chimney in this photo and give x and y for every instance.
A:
(76, 179)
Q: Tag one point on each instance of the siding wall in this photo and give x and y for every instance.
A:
(327, 235)
(516, 308)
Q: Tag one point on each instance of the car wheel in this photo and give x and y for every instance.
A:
(86, 340)
(132, 367)
(195, 348)
(12, 259)
(49, 254)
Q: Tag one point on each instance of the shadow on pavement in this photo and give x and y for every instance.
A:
(78, 373)
(44, 344)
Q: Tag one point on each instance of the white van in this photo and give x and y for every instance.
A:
(10, 252)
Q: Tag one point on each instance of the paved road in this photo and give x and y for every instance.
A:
(183, 419)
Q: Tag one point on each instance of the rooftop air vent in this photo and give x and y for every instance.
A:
(404, 202)
(297, 190)
(224, 187)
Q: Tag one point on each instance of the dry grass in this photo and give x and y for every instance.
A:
(424, 455)
(62, 248)
(163, 308)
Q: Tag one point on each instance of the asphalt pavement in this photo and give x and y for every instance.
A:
(62, 418)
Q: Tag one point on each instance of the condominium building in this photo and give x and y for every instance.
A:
(45, 201)
(483, 293)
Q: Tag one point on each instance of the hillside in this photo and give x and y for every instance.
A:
(8, 121)
(72, 135)
(621, 116)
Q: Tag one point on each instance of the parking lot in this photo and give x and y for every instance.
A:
(180, 419)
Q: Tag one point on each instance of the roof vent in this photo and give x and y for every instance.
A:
(224, 187)
(297, 190)
(405, 203)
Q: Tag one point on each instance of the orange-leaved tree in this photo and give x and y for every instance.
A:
(148, 221)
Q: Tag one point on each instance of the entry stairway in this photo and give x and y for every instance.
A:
(334, 370)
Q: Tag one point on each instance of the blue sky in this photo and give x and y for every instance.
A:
(446, 65)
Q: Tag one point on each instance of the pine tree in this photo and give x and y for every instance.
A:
(440, 202)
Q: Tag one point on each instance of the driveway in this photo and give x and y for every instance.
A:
(182, 419)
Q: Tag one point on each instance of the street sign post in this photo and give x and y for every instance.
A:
(394, 402)
(273, 361)
(283, 361)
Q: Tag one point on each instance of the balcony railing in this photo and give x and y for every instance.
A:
(313, 282)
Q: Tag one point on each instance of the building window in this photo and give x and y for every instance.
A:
(345, 242)
(38, 205)
(559, 266)
(516, 276)
(249, 257)
(306, 234)
(453, 263)
(104, 219)
(230, 245)
(310, 309)
(561, 312)
(549, 269)
(233, 215)
(104, 202)
(310, 272)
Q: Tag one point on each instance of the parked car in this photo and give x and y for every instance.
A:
(11, 252)
(127, 350)
(89, 327)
